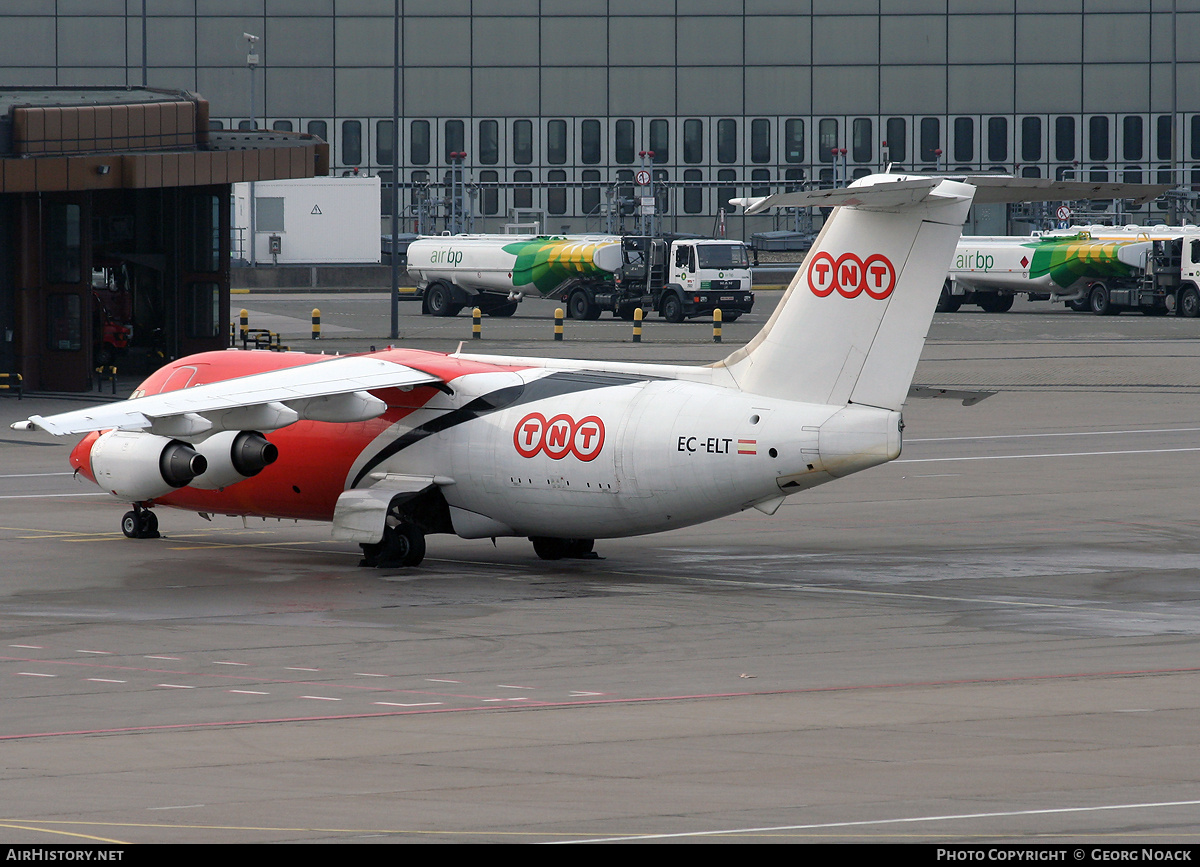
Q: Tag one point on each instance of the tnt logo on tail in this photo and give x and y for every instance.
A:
(851, 276)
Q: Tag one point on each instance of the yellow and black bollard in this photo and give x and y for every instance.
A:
(476, 324)
(13, 382)
(106, 373)
(558, 320)
(637, 325)
(717, 325)
(244, 319)
(316, 323)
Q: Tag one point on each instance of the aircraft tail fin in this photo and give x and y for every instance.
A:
(851, 326)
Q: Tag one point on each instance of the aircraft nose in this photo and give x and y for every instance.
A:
(81, 456)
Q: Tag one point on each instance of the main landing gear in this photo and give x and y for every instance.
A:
(403, 544)
(140, 524)
(564, 549)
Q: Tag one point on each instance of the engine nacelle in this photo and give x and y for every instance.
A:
(138, 466)
(233, 456)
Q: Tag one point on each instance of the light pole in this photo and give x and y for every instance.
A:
(251, 63)
(144, 43)
(395, 262)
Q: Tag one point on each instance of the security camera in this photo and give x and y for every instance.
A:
(250, 37)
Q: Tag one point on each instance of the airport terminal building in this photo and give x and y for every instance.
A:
(554, 101)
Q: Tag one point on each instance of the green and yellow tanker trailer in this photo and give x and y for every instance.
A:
(494, 272)
(1103, 276)
(588, 274)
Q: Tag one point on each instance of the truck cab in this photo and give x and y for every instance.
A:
(706, 275)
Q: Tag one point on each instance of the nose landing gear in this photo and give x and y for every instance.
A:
(140, 524)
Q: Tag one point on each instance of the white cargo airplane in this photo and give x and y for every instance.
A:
(391, 446)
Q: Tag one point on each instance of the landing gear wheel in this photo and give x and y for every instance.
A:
(580, 306)
(549, 549)
(580, 548)
(131, 525)
(140, 524)
(1099, 301)
(947, 302)
(557, 549)
(672, 309)
(439, 301)
(1189, 303)
(403, 545)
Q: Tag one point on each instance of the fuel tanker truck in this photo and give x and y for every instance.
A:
(678, 279)
(1103, 275)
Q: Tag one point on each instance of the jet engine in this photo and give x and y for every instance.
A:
(233, 456)
(138, 466)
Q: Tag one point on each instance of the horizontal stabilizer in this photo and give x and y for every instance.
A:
(989, 189)
(992, 189)
(968, 398)
(881, 196)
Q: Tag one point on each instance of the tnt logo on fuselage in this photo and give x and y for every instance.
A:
(559, 436)
(851, 276)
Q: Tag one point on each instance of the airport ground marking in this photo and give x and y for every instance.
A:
(562, 837)
(40, 830)
(1077, 433)
(55, 496)
(524, 705)
(1051, 455)
(355, 687)
(952, 817)
(32, 475)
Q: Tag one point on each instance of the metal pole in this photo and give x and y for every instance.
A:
(251, 62)
(395, 332)
(1172, 201)
(144, 43)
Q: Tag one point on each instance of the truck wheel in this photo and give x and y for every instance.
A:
(672, 308)
(947, 302)
(580, 306)
(504, 310)
(1189, 303)
(1080, 305)
(997, 302)
(1099, 300)
(439, 301)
